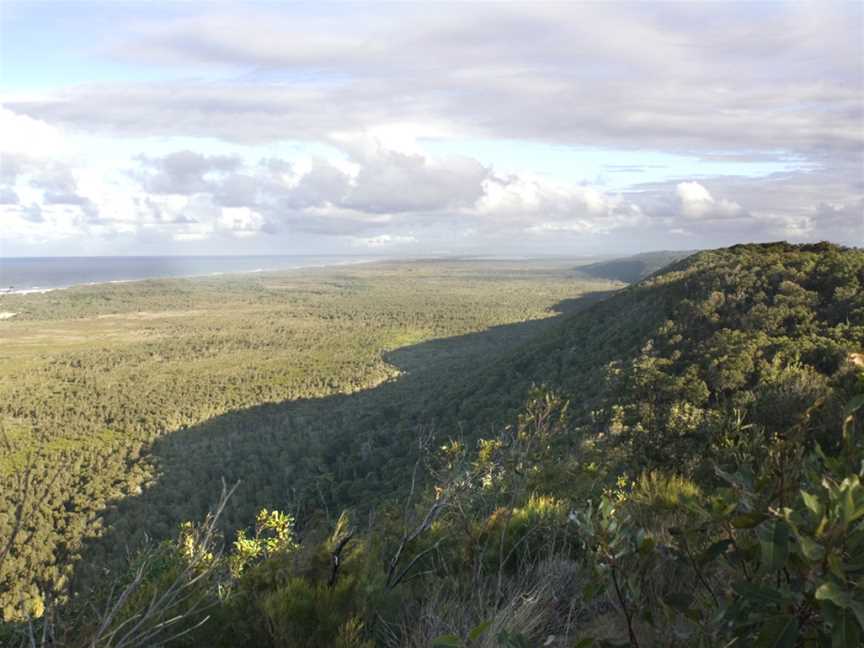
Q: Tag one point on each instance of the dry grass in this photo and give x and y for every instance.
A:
(542, 604)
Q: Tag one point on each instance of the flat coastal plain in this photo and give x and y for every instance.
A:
(126, 400)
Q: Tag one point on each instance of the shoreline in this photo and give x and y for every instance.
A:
(37, 290)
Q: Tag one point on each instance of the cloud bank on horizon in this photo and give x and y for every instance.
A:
(216, 127)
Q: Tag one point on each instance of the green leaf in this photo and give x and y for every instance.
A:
(848, 505)
(648, 616)
(737, 479)
(831, 592)
(748, 520)
(646, 546)
(854, 404)
(813, 503)
(678, 600)
(778, 632)
(758, 593)
(479, 631)
(447, 641)
(811, 549)
(857, 608)
(693, 614)
(774, 542)
(854, 500)
(836, 566)
(512, 640)
(846, 631)
(716, 549)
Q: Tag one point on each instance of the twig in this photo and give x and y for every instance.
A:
(336, 559)
(633, 641)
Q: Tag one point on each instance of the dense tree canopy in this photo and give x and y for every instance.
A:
(160, 387)
(675, 463)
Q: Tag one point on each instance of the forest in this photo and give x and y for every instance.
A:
(451, 453)
(103, 387)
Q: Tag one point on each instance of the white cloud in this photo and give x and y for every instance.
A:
(541, 206)
(23, 135)
(240, 221)
(384, 199)
(761, 79)
(273, 88)
(696, 202)
(383, 241)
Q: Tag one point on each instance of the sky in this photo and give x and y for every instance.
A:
(405, 129)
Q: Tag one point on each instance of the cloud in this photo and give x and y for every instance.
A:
(323, 184)
(380, 181)
(696, 79)
(517, 203)
(240, 221)
(383, 241)
(57, 183)
(11, 166)
(393, 182)
(45, 182)
(373, 197)
(798, 205)
(695, 201)
(32, 213)
(184, 172)
(8, 196)
(317, 128)
(237, 190)
(25, 136)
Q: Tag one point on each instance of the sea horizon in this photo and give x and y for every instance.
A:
(22, 275)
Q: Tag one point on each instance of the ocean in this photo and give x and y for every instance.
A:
(36, 274)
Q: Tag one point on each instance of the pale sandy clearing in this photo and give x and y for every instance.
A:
(150, 315)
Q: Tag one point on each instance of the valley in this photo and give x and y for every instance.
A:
(442, 453)
(117, 389)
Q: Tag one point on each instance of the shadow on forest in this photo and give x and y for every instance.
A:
(308, 455)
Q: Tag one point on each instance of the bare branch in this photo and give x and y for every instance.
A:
(407, 538)
(151, 622)
(414, 561)
(336, 559)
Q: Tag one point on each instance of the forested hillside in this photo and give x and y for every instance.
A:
(123, 405)
(633, 268)
(678, 463)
